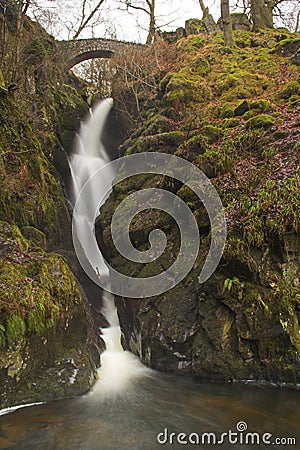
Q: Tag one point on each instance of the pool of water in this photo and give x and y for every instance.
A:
(152, 408)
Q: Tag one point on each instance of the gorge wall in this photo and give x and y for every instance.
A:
(49, 345)
(234, 113)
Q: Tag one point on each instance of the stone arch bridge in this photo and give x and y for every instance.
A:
(76, 51)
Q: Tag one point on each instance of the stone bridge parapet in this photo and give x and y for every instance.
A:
(80, 50)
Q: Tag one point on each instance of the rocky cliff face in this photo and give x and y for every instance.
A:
(49, 346)
(234, 113)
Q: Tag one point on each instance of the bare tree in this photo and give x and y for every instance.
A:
(207, 19)
(136, 74)
(297, 21)
(287, 12)
(87, 17)
(12, 15)
(267, 13)
(71, 15)
(262, 14)
(226, 23)
(148, 7)
(204, 9)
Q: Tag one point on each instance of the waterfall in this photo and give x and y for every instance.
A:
(118, 367)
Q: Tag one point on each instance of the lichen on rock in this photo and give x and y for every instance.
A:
(243, 323)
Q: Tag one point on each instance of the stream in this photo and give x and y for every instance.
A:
(153, 402)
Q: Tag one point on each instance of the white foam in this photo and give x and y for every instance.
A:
(14, 408)
(118, 367)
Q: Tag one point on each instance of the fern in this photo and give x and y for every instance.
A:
(15, 329)
(229, 283)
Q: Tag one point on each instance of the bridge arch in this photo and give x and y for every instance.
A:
(92, 54)
(79, 50)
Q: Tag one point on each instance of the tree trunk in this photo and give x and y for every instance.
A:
(297, 21)
(151, 31)
(226, 23)
(204, 9)
(262, 14)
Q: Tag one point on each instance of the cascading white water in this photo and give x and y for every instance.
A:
(118, 367)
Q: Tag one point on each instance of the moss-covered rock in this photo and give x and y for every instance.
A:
(242, 108)
(230, 122)
(264, 121)
(191, 43)
(2, 82)
(193, 147)
(196, 144)
(201, 66)
(295, 59)
(288, 47)
(262, 105)
(48, 342)
(35, 236)
(212, 133)
(249, 114)
(39, 300)
(240, 21)
(159, 142)
(226, 111)
(294, 101)
(289, 89)
(29, 192)
(67, 111)
(242, 323)
(240, 84)
(194, 26)
(184, 86)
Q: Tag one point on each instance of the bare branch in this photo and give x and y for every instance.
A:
(87, 20)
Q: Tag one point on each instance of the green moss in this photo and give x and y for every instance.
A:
(35, 294)
(29, 193)
(11, 239)
(66, 110)
(260, 63)
(288, 47)
(242, 39)
(294, 102)
(193, 147)
(196, 144)
(212, 133)
(239, 83)
(226, 111)
(188, 196)
(264, 121)
(194, 26)
(159, 142)
(157, 124)
(249, 114)
(289, 89)
(2, 82)
(191, 43)
(35, 236)
(262, 105)
(230, 123)
(201, 65)
(185, 87)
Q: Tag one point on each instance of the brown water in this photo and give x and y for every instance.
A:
(153, 403)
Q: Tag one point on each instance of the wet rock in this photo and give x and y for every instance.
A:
(288, 47)
(242, 108)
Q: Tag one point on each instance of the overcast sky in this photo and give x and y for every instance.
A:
(114, 22)
(62, 17)
(172, 12)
